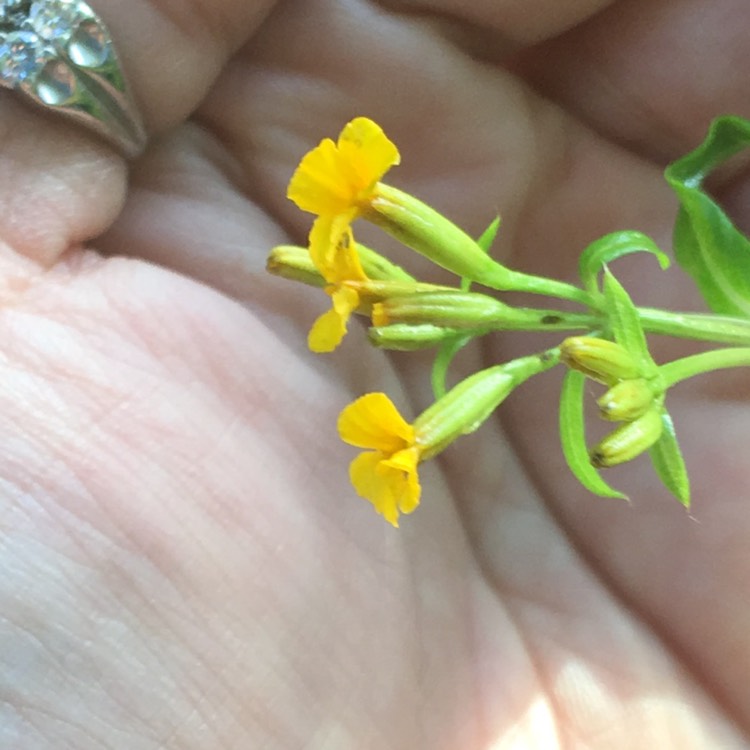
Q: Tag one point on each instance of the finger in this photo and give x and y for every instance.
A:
(185, 212)
(59, 184)
(517, 20)
(474, 140)
(642, 73)
(174, 49)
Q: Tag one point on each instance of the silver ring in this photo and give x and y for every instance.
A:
(60, 55)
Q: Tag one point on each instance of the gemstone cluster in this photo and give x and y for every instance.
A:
(34, 32)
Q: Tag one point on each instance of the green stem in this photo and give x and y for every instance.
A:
(535, 319)
(721, 329)
(697, 364)
(446, 354)
(514, 281)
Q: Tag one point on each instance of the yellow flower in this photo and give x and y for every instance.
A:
(330, 327)
(337, 180)
(386, 474)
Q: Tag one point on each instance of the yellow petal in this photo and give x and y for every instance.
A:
(321, 248)
(406, 480)
(372, 421)
(321, 182)
(334, 177)
(330, 327)
(345, 302)
(367, 153)
(333, 251)
(327, 332)
(345, 265)
(374, 486)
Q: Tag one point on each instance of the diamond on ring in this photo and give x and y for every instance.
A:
(59, 54)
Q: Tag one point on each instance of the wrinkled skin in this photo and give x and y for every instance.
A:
(184, 564)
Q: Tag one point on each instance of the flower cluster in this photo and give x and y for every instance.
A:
(341, 182)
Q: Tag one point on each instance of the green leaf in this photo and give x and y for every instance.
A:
(613, 246)
(573, 437)
(706, 242)
(668, 462)
(625, 324)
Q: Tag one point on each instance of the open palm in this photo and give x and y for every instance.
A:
(184, 562)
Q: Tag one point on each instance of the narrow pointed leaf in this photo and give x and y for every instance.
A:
(625, 323)
(706, 242)
(613, 246)
(573, 437)
(668, 462)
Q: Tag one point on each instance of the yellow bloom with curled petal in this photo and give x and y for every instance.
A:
(344, 266)
(386, 474)
(336, 181)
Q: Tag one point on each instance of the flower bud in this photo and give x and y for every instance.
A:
(628, 441)
(429, 233)
(451, 309)
(467, 405)
(599, 359)
(409, 338)
(626, 401)
(294, 263)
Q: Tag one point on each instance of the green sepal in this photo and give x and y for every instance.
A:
(706, 242)
(613, 246)
(573, 437)
(625, 324)
(488, 236)
(668, 462)
(485, 242)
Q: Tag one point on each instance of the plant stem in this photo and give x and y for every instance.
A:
(514, 281)
(721, 329)
(697, 364)
(540, 319)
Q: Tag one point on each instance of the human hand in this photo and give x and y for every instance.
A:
(186, 565)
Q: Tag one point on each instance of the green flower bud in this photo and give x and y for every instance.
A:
(429, 233)
(466, 406)
(294, 263)
(626, 401)
(599, 359)
(409, 338)
(451, 309)
(628, 441)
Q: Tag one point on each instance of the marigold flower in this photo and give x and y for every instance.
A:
(336, 180)
(344, 266)
(386, 473)
(351, 289)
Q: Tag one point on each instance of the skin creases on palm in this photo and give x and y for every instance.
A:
(186, 565)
